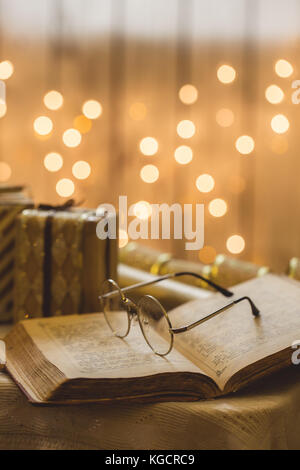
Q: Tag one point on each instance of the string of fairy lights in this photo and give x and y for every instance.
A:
(188, 94)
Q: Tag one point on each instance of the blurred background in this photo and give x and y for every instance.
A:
(169, 101)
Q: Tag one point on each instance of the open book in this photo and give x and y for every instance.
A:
(76, 358)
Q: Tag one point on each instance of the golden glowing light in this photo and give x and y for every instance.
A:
(274, 94)
(207, 254)
(149, 173)
(235, 244)
(188, 94)
(280, 124)
(137, 111)
(71, 138)
(5, 172)
(245, 144)
(183, 154)
(283, 68)
(217, 207)
(81, 170)
(53, 161)
(279, 144)
(82, 124)
(123, 238)
(237, 184)
(226, 73)
(43, 125)
(92, 109)
(6, 69)
(186, 129)
(142, 210)
(205, 183)
(149, 146)
(53, 100)
(65, 187)
(3, 108)
(225, 117)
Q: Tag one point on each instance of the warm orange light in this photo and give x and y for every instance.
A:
(53, 161)
(245, 144)
(274, 94)
(6, 69)
(137, 111)
(142, 210)
(71, 138)
(65, 187)
(226, 74)
(186, 129)
(3, 108)
(207, 254)
(188, 94)
(225, 117)
(92, 109)
(205, 183)
(43, 125)
(82, 124)
(149, 173)
(183, 154)
(53, 100)
(283, 68)
(149, 146)
(123, 238)
(81, 170)
(235, 244)
(279, 144)
(217, 207)
(280, 124)
(5, 172)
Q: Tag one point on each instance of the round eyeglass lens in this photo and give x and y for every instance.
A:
(155, 325)
(113, 308)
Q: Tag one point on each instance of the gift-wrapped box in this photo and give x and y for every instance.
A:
(60, 262)
(225, 270)
(13, 199)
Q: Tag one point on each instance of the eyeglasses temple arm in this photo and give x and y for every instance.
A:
(254, 310)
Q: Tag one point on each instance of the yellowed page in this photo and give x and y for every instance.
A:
(234, 339)
(84, 346)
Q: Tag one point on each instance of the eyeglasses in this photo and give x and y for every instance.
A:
(154, 322)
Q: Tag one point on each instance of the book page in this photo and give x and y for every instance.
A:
(234, 339)
(84, 346)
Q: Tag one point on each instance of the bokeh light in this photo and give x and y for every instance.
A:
(53, 161)
(53, 100)
(217, 207)
(65, 187)
(245, 144)
(149, 146)
(81, 170)
(188, 94)
(143, 210)
(149, 173)
(274, 94)
(71, 138)
(5, 172)
(43, 125)
(3, 108)
(137, 111)
(205, 183)
(6, 69)
(283, 68)
(186, 129)
(225, 117)
(235, 244)
(92, 109)
(207, 254)
(82, 124)
(123, 238)
(280, 124)
(226, 74)
(183, 154)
